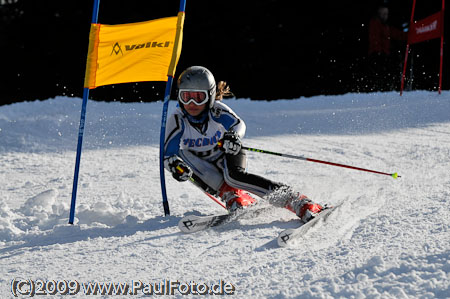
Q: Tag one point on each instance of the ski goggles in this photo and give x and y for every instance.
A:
(198, 97)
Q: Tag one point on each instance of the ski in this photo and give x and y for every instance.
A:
(288, 236)
(193, 223)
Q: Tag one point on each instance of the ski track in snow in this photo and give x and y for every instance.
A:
(388, 239)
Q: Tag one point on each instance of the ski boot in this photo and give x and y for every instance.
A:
(304, 208)
(235, 198)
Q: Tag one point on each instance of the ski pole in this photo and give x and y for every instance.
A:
(394, 175)
(196, 180)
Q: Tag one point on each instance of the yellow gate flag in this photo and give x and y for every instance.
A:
(133, 52)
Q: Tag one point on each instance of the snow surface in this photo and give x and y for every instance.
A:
(389, 239)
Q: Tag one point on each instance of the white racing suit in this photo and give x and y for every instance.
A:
(196, 144)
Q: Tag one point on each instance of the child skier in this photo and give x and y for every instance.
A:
(203, 140)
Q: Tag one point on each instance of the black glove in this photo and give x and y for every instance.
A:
(231, 143)
(180, 170)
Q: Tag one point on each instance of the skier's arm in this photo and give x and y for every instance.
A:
(174, 131)
(234, 125)
(230, 120)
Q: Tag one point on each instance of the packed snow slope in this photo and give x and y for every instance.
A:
(388, 239)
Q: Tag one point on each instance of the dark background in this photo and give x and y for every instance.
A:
(264, 49)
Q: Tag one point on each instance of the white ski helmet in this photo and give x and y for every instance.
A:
(198, 78)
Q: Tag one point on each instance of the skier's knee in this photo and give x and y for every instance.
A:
(237, 174)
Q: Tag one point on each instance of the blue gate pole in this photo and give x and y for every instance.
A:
(81, 131)
(163, 133)
(161, 145)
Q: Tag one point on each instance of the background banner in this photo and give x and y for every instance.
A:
(426, 29)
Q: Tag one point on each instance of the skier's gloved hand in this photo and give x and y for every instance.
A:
(231, 143)
(180, 170)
